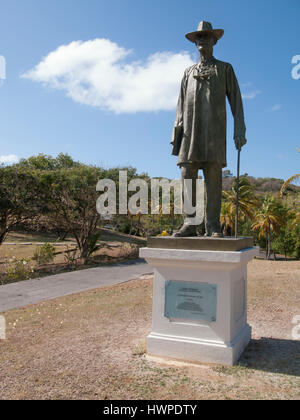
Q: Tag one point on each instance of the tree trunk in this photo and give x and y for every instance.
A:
(84, 252)
(3, 234)
(269, 242)
(83, 246)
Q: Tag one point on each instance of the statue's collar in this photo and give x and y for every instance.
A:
(206, 61)
(205, 69)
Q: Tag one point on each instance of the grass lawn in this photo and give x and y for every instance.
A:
(92, 346)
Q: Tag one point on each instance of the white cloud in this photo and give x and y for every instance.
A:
(97, 73)
(276, 107)
(251, 95)
(8, 159)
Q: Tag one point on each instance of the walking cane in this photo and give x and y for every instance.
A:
(237, 193)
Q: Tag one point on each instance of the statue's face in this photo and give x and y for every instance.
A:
(205, 42)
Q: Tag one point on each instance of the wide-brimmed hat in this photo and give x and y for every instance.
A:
(205, 28)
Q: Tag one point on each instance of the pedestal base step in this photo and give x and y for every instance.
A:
(194, 350)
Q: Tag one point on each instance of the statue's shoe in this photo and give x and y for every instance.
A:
(217, 235)
(185, 231)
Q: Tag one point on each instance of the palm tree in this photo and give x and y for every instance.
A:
(296, 213)
(227, 219)
(289, 181)
(247, 204)
(268, 219)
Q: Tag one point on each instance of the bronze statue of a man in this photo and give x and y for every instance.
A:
(199, 135)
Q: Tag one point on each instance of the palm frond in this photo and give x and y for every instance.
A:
(288, 182)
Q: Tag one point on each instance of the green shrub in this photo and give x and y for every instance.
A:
(44, 254)
(19, 270)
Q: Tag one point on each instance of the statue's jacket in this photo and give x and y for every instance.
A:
(201, 114)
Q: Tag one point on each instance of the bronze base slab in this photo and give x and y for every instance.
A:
(200, 243)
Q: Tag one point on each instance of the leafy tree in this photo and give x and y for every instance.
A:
(41, 162)
(19, 197)
(70, 193)
(47, 162)
(284, 243)
(33, 212)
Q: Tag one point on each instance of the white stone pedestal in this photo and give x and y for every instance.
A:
(197, 340)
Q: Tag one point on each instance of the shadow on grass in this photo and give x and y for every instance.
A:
(273, 355)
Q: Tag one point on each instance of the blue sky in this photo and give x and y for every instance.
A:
(55, 108)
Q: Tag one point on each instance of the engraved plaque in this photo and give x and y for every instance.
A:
(189, 300)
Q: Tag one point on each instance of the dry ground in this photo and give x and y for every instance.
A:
(107, 253)
(116, 247)
(91, 346)
(106, 235)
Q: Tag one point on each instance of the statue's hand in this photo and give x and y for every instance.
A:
(240, 141)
